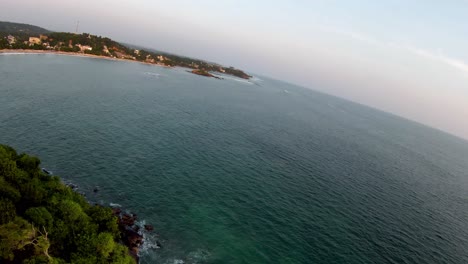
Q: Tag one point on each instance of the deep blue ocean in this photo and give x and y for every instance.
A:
(234, 171)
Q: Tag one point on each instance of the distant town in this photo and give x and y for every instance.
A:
(15, 36)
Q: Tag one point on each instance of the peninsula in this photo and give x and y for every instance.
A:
(16, 37)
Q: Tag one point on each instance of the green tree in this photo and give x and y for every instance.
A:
(28, 163)
(105, 244)
(70, 211)
(8, 211)
(40, 216)
(7, 162)
(63, 227)
(8, 191)
(33, 192)
(120, 256)
(106, 221)
(14, 236)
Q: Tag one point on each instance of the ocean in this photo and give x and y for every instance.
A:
(234, 171)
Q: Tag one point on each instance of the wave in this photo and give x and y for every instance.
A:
(19, 53)
(194, 257)
(151, 239)
(226, 77)
(175, 261)
(256, 79)
(152, 74)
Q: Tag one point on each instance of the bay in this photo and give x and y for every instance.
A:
(234, 171)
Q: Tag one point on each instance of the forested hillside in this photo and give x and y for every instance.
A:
(44, 221)
(19, 29)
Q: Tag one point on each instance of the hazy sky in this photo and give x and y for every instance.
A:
(408, 57)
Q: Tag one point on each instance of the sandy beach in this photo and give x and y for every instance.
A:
(75, 54)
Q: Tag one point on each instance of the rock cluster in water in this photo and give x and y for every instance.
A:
(204, 73)
(127, 223)
(131, 236)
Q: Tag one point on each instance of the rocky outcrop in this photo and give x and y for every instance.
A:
(204, 73)
(131, 236)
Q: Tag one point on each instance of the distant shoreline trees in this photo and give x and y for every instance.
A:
(99, 46)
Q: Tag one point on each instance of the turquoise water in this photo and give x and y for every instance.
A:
(235, 172)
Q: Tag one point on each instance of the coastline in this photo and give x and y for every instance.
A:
(73, 54)
(56, 207)
(85, 55)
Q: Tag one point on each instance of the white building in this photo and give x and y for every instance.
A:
(11, 39)
(83, 48)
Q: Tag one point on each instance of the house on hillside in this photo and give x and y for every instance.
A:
(162, 58)
(84, 48)
(46, 45)
(34, 40)
(149, 59)
(11, 39)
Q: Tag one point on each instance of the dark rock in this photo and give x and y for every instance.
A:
(205, 73)
(131, 236)
(158, 244)
(127, 220)
(133, 240)
(149, 228)
(73, 186)
(46, 171)
(116, 211)
(95, 189)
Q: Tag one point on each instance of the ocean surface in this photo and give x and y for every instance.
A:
(234, 171)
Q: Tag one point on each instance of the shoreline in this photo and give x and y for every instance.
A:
(56, 200)
(133, 232)
(85, 55)
(73, 54)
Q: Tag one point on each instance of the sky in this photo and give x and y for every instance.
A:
(409, 58)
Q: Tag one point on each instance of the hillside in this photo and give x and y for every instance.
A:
(19, 28)
(45, 221)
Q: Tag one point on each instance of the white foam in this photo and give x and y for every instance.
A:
(224, 76)
(152, 74)
(19, 53)
(199, 255)
(256, 79)
(150, 239)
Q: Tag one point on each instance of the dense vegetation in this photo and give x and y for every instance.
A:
(44, 221)
(101, 46)
(19, 28)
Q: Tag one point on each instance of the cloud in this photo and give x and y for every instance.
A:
(347, 33)
(435, 56)
(453, 62)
